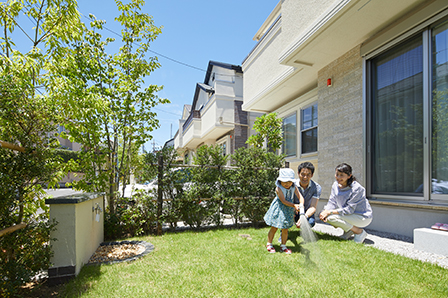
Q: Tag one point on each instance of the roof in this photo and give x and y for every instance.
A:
(211, 63)
(205, 88)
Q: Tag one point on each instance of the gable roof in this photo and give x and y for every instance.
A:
(186, 111)
(211, 63)
(199, 87)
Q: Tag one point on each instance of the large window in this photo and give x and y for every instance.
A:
(309, 129)
(290, 135)
(397, 132)
(439, 58)
(403, 106)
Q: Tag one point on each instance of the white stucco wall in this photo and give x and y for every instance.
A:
(202, 99)
(193, 131)
(261, 68)
(299, 15)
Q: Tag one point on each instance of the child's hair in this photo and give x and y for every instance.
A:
(305, 165)
(347, 169)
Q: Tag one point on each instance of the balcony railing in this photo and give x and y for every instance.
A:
(194, 115)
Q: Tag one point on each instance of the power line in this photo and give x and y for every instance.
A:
(154, 52)
(119, 35)
(165, 111)
(159, 54)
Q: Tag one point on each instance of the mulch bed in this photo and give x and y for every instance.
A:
(123, 251)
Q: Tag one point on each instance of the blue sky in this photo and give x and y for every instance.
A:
(194, 32)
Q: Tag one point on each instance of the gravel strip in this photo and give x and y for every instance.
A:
(397, 244)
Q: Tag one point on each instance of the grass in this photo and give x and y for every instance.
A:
(221, 263)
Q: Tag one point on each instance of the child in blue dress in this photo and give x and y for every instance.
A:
(281, 212)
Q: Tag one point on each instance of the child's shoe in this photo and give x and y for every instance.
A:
(270, 248)
(285, 250)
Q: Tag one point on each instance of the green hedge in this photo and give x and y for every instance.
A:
(66, 155)
(203, 194)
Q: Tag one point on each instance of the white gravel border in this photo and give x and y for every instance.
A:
(393, 243)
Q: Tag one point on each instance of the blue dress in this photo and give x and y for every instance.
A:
(279, 215)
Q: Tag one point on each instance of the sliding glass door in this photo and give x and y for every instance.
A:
(408, 117)
(439, 63)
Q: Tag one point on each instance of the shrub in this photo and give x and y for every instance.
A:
(23, 254)
(194, 211)
(254, 208)
(132, 217)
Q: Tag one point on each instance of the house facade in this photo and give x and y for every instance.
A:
(366, 83)
(73, 146)
(215, 116)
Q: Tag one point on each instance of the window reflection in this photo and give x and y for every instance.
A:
(440, 108)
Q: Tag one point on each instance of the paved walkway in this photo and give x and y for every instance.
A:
(396, 244)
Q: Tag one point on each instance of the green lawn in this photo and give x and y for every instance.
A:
(221, 263)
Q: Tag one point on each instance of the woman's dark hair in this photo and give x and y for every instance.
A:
(347, 169)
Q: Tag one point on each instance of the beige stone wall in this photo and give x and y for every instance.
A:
(340, 110)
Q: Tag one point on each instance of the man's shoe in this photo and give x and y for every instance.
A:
(347, 235)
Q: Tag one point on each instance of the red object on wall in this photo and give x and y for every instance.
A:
(329, 82)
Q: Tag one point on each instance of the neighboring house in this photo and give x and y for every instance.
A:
(215, 117)
(73, 146)
(362, 82)
(67, 144)
(169, 143)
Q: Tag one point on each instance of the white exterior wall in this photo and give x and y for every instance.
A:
(211, 113)
(193, 131)
(203, 98)
(261, 69)
(227, 86)
(238, 86)
(221, 74)
(299, 15)
(225, 89)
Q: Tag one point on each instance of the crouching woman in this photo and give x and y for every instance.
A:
(348, 207)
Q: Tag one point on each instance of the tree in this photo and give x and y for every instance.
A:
(26, 120)
(269, 131)
(105, 106)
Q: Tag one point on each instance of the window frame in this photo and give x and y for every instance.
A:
(315, 127)
(226, 142)
(294, 153)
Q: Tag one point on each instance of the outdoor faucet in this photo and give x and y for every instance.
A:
(97, 209)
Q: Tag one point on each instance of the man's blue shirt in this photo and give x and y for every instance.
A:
(312, 191)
